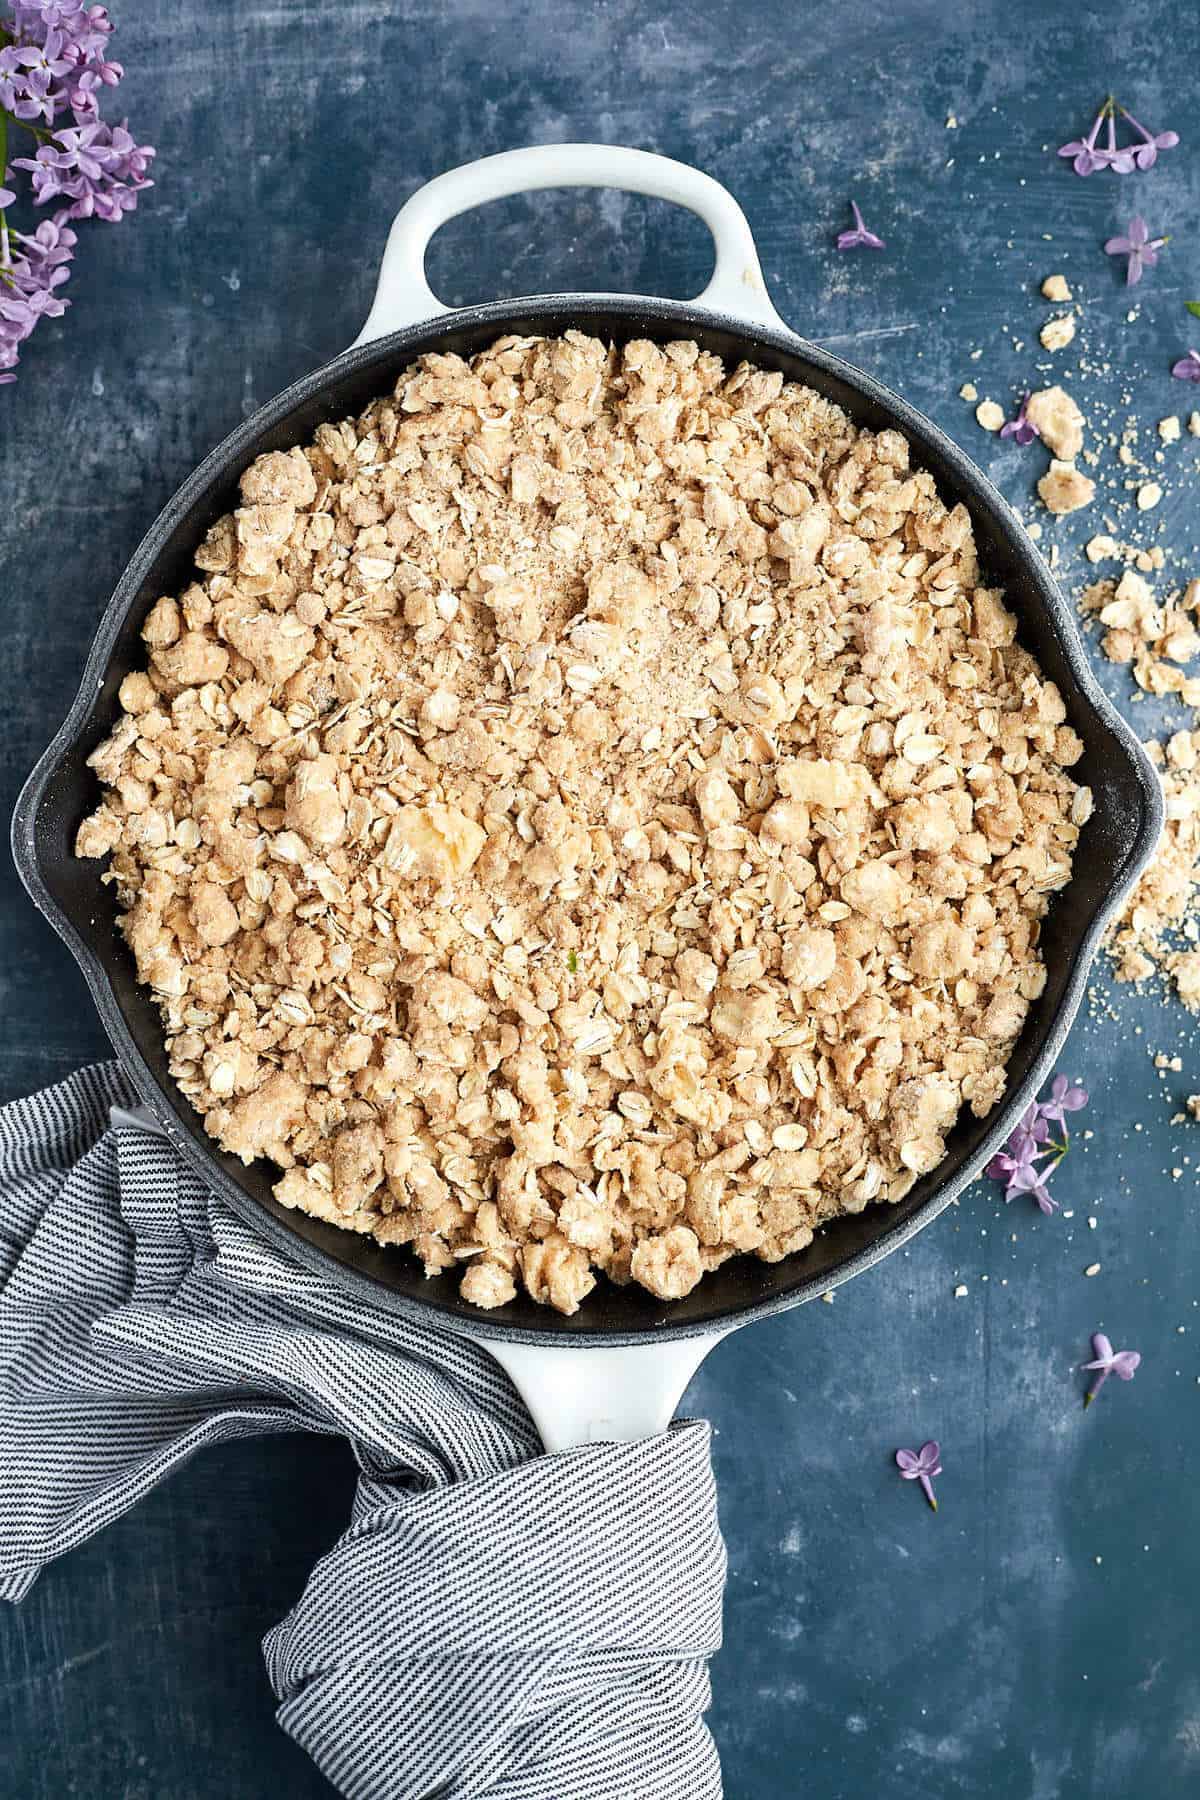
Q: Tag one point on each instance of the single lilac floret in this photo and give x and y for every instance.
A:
(1141, 249)
(922, 1465)
(1145, 154)
(1121, 1363)
(1031, 1181)
(1022, 429)
(1065, 1097)
(1086, 159)
(1188, 367)
(859, 238)
(1021, 1152)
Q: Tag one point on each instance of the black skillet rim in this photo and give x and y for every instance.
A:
(559, 312)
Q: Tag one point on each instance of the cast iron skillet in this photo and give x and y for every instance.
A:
(735, 319)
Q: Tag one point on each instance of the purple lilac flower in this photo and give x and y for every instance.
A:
(1030, 1156)
(1119, 160)
(1031, 1181)
(1188, 367)
(1065, 1097)
(1021, 429)
(54, 67)
(1086, 159)
(922, 1465)
(859, 237)
(24, 92)
(1145, 154)
(97, 167)
(29, 281)
(56, 62)
(1121, 1363)
(1023, 1148)
(1017, 1165)
(1141, 249)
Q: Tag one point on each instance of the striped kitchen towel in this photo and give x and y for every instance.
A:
(495, 1624)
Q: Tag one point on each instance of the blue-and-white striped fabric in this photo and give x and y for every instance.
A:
(495, 1623)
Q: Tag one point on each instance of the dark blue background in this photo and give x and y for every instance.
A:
(1037, 1640)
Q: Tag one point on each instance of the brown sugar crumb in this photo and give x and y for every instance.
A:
(588, 814)
(1055, 288)
(1057, 332)
(1064, 488)
(1059, 420)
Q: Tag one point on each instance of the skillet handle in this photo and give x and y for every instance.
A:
(594, 1396)
(403, 296)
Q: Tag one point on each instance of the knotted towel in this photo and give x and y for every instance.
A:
(495, 1624)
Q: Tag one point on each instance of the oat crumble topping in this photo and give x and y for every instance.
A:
(588, 813)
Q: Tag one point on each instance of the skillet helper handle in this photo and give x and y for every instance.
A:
(403, 296)
(597, 1396)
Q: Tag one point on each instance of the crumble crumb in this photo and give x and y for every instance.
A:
(968, 391)
(1059, 420)
(1168, 429)
(990, 415)
(1055, 288)
(1057, 332)
(1064, 488)
(1148, 496)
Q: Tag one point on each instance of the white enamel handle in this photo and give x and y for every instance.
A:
(596, 1396)
(403, 295)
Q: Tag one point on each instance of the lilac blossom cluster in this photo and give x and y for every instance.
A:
(54, 67)
(1031, 1155)
(1086, 155)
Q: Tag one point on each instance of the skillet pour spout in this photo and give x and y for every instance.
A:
(734, 319)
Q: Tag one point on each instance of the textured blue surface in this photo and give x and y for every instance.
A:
(1037, 1640)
